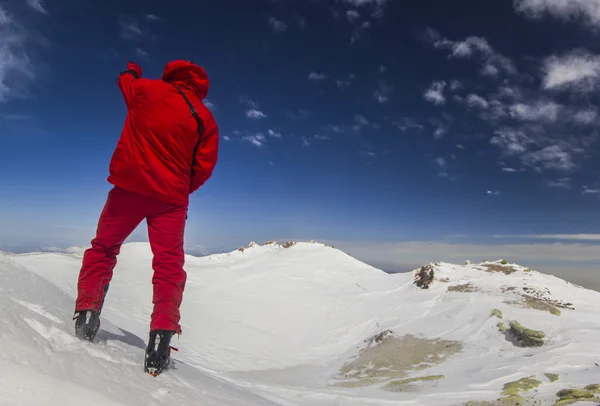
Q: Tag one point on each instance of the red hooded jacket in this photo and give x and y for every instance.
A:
(154, 156)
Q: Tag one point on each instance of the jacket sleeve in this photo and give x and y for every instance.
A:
(206, 156)
(127, 81)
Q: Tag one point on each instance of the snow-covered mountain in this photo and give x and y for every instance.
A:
(302, 324)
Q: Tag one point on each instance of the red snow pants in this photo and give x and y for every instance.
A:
(123, 212)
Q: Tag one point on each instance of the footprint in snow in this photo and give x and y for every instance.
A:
(62, 341)
(41, 310)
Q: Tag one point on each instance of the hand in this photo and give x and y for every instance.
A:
(134, 67)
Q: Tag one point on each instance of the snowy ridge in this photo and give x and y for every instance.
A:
(297, 324)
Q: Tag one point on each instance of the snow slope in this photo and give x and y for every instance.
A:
(272, 325)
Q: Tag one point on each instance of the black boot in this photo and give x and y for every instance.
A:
(87, 324)
(158, 352)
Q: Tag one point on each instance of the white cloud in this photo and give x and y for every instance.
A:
(492, 62)
(493, 193)
(249, 102)
(322, 137)
(299, 114)
(352, 15)
(441, 162)
(361, 120)
(209, 105)
(152, 17)
(562, 183)
(141, 53)
(256, 139)
(383, 92)
(586, 10)
(227, 138)
(435, 93)
(407, 123)
(316, 76)
(359, 31)
(552, 157)
(467, 47)
(587, 191)
(305, 142)
(539, 111)
(277, 25)
(587, 116)
(255, 114)
(489, 70)
(563, 237)
(16, 68)
(455, 85)
(342, 84)
(382, 69)
(274, 134)
(130, 29)
(461, 147)
(439, 132)
(578, 70)
(512, 141)
(509, 170)
(37, 5)
(474, 100)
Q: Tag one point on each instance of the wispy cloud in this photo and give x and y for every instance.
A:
(316, 76)
(587, 191)
(553, 157)
(509, 170)
(129, 28)
(587, 11)
(255, 114)
(141, 53)
(209, 105)
(360, 31)
(361, 120)
(10, 116)
(512, 141)
(456, 85)
(37, 5)
(16, 68)
(435, 93)
(352, 15)
(277, 25)
(474, 100)
(538, 111)
(563, 237)
(561, 183)
(587, 116)
(274, 134)
(578, 70)
(407, 123)
(383, 92)
(152, 17)
(299, 114)
(493, 193)
(493, 62)
(257, 140)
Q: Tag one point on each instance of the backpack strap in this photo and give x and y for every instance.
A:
(198, 120)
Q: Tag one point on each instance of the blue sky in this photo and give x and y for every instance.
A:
(370, 123)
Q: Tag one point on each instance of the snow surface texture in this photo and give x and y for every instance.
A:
(303, 325)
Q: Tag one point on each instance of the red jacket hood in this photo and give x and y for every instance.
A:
(187, 73)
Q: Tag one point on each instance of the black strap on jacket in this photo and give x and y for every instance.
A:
(198, 120)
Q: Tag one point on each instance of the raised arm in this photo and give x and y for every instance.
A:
(206, 156)
(127, 79)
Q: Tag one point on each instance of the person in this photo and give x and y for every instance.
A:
(167, 150)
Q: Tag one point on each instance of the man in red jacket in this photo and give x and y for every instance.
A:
(167, 150)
